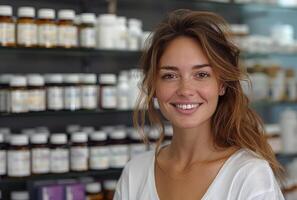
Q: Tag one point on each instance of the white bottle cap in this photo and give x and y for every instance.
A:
(46, 13)
(134, 22)
(53, 78)
(19, 140)
(35, 80)
(88, 78)
(135, 135)
(88, 18)
(110, 184)
(79, 137)
(107, 79)
(40, 138)
(118, 134)
(122, 20)
(88, 129)
(93, 187)
(71, 78)
(108, 19)
(99, 136)
(26, 12)
(18, 81)
(5, 10)
(66, 14)
(5, 78)
(58, 138)
(72, 128)
(19, 195)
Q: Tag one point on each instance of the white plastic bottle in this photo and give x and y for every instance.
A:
(121, 33)
(134, 34)
(106, 31)
(288, 124)
(123, 92)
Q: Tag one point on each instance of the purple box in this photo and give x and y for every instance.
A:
(51, 192)
(75, 192)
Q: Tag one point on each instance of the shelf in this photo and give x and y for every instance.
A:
(78, 52)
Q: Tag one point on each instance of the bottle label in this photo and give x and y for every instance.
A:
(55, 98)
(36, 100)
(47, 35)
(136, 149)
(67, 36)
(109, 97)
(2, 162)
(79, 158)
(72, 98)
(59, 160)
(118, 155)
(89, 97)
(18, 100)
(123, 102)
(18, 163)
(40, 160)
(7, 33)
(99, 157)
(27, 34)
(88, 38)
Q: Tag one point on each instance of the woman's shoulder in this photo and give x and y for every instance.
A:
(141, 162)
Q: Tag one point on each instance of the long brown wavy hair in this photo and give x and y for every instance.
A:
(233, 123)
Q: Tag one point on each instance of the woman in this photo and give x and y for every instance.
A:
(218, 150)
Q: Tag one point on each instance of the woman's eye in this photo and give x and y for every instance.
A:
(202, 75)
(168, 76)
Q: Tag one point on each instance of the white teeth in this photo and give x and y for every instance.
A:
(187, 106)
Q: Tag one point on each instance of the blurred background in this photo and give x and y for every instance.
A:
(69, 79)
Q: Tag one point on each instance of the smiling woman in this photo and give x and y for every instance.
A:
(218, 150)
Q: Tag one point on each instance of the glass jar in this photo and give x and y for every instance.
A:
(40, 153)
(47, 28)
(119, 148)
(3, 155)
(7, 26)
(109, 187)
(89, 91)
(79, 152)
(26, 27)
(87, 30)
(18, 156)
(59, 159)
(36, 93)
(72, 92)
(67, 30)
(108, 91)
(18, 94)
(99, 151)
(54, 92)
(94, 191)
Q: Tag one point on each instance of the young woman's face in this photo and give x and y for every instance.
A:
(187, 89)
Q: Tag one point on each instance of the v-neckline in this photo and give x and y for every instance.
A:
(219, 174)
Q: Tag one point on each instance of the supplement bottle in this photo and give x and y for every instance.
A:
(7, 26)
(36, 93)
(79, 152)
(94, 191)
(47, 28)
(26, 27)
(109, 187)
(40, 154)
(18, 94)
(108, 91)
(99, 151)
(59, 159)
(87, 30)
(67, 30)
(89, 91)
(72, 92)
(54, 92)
(119, 148)
(18, 156)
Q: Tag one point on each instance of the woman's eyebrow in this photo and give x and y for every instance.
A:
(174, 68)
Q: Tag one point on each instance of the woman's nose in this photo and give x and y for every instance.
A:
(185, 88)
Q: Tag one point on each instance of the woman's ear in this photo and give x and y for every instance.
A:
(222, 90)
